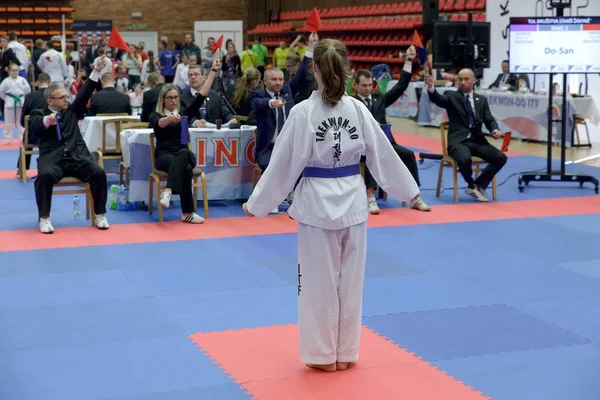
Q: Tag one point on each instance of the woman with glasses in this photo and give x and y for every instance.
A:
(171, 155)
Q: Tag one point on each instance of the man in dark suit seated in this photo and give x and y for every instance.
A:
(150, 97)
(506, 78)
(467, 112)
(377, 103)
(215, 106)
(63, 153)
(109, 100)
(33, 101)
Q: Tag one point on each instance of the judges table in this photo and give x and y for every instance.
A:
(226, 157)
(91, 130)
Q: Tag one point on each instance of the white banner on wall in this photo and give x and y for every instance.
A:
(498, 14)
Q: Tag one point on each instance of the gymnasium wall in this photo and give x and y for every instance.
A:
(168, 18)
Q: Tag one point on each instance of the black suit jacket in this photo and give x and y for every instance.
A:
(150, 99)
(8, 57)
(512, 81)
(382, 101)
(216, 107)
(33, 101)
(110, 100)
(90, 56)
(455, 104)
(265, 115)
(51, 148)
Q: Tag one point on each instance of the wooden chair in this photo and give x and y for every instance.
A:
(241, 118)
(82, 188)
(579, 120)
(123, 169)
(447, 161)
(156, 177)
(257, 171)
(26, 149)
(112, 115)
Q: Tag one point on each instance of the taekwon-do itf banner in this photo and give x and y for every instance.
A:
(225, 156)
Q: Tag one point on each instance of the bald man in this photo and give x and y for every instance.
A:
(109, 100)
(467, 112)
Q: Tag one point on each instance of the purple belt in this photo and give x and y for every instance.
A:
(341, 172)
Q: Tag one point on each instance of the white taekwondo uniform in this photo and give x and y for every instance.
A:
(13, 91)
(331, 214)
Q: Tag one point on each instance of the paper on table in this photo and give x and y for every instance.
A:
(225, 125)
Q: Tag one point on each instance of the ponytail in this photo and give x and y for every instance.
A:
(151, 63)
(243, 86)
(331, 57)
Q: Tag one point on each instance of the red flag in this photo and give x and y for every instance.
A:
(116, 40)
(421, 51)
(218, 45)
(313, 23)
(506, 142)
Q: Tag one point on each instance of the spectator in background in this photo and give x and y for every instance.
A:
(262, 55)
(151, 64)
(12, 90)
(108, 67)
(181, 78)
(207, 56)
(231, 67)
(238, 95)
(189, 47)
(123, 83)
(8, 57)
(38, 49)
(91, 53)
(166, 59)
(52, 63)
(21, 52)
(248, 59)
(139, 49)
(279, 56)
(133, 63)
(298, 46)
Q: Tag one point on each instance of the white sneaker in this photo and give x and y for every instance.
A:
(483, 193)
(192, 218)
(101, 222)
(373, 207)
(476, 194)
(46, 226)
(165, 199)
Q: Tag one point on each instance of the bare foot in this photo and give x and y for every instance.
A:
(342, 365)
(323, 367)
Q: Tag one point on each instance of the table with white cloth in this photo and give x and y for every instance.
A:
(91, 130)
(525, 115)
(407, 106)
(226, 156)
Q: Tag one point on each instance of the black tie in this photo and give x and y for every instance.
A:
(280, 116)
(470, 112)
(369, 105)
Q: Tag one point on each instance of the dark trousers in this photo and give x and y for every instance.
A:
(179, 167)
(27, 161)
(263, 159)
(407, 157)
(477, 146)
(49, 173)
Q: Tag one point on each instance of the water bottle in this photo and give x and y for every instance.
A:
(76, 208)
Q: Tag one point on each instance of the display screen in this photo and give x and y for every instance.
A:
(554, 45)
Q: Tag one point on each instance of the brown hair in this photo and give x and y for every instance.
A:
(331, 57)
(244, 86)
(362, 72)
(151, 62)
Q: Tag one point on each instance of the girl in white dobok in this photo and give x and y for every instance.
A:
(13, 90)
(323, 140)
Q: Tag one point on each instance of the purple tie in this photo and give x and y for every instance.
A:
(185, 131)
(58, 133)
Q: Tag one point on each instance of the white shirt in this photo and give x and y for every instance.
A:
(18, 87)
(308, 139)
(21, 52)
(181, 79)
(52, 63)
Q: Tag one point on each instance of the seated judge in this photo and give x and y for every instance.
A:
(506, 78)
(33, 101)
(377, 103)
(109, 100)
(215, 106)
(171, 155)
(467, 112)
(63, 153)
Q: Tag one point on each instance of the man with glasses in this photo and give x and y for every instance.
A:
(63, 153)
